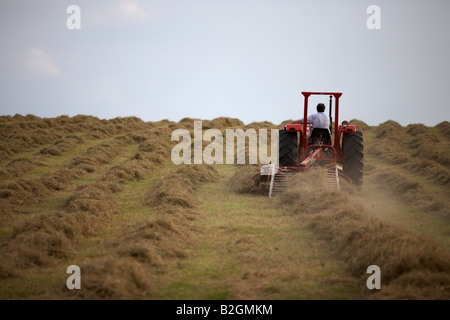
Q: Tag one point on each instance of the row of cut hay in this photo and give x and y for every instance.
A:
(245, 181)
(427, 160)
(431, 153)
(24, 135)
(11, 144)
(150, 155)
(62, 145)
(26, 191)
(360, 125)
(17, 168)
(389, 129)
(18, 117)
(431, 170)
(410, 191)
(41, 239)
(111, 128)
(426, 146)
(138, 257)
(178, 188)
(20, 136)
(220, 123)
(417, 129)
(444, 129)
(79, 122)
(412, 266)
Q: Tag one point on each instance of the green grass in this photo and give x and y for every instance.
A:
(246, 248)
(34, 282)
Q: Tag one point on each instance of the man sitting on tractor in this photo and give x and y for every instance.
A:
(319, 121)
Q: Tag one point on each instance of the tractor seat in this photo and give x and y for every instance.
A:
(320, 136)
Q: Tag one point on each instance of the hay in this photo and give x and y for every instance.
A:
(17, 168)
(444, 128)
(195, 175)
(49, 236)
(360, 240)
(410, 191)
(225, 123)
(113, 278)
(241, 181)
(360, 125)
(432, 153)
(422, 142)
(28, 191)
(164, 236)
(260, 125)
(26, 133)
(417, 129)
(389, 129)
(142, 252)
(427, 159)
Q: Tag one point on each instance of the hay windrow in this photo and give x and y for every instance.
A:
(417, 129)
(17, 168)
(416, 148)
(164, 236)
(360, 240)
(51, 236)
(444, 128)
(112, 278)
(178, 188)
(360, 125)
(29, 132)
(390, 129)
(225, 123)
(242, 182)
(27, 191)
(260, 125)
(410, 191)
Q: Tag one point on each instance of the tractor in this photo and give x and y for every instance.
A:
(339, 151)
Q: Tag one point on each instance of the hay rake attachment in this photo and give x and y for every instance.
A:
(280, 179)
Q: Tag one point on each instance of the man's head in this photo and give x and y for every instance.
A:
(320, 107)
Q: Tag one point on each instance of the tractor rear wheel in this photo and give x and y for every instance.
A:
(288, 148)
(353, 147)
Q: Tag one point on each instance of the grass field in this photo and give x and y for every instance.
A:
(104, 195)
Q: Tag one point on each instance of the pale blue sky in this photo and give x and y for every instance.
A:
(247, 59)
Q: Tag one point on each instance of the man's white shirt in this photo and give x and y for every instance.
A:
(319, 120)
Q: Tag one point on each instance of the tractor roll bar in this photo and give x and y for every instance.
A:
(331, 107)
(336, 96)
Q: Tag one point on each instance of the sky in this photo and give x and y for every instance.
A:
(245, 59)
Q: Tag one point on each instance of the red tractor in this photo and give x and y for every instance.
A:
(303, 147)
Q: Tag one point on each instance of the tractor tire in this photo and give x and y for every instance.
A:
(353, 147)
(287, 148)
